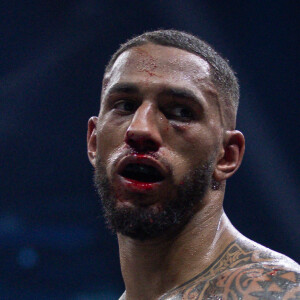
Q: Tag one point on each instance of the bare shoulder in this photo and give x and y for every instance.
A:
(245, 270)
(253, 281)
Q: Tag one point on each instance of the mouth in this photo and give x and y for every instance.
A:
(142, 173)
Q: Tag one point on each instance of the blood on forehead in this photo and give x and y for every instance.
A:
(146, 62)
(155, 60)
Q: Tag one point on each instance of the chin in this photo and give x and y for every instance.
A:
(160, 208)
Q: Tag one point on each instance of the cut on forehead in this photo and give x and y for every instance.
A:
(151, 58)
(222, 75)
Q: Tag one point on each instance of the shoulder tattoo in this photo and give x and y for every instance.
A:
(239, 274)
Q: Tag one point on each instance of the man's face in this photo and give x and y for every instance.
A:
(158, 136)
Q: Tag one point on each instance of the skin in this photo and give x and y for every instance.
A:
(170, 266)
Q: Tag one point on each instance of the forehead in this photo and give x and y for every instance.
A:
(158, 64)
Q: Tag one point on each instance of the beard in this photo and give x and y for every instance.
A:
(146, 222)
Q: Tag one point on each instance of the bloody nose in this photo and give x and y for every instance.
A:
(141, 143)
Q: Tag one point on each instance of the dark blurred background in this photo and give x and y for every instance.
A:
(53, 241)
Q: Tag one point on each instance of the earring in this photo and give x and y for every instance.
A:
(215, 185)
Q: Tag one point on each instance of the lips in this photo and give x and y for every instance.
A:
(141, 168)
(142, 172)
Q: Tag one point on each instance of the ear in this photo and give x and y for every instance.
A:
(92, 140)
(231, 156)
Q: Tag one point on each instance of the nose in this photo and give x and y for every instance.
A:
(143, 134)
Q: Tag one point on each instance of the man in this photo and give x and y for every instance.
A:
(163, 146)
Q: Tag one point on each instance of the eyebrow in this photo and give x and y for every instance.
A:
(181, 93)
(128, 88)
(174, 92)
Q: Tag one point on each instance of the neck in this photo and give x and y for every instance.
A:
(153, 267)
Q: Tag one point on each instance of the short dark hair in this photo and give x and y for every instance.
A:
(221, 74)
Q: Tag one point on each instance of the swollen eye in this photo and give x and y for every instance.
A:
(180, 113)
(183, 112)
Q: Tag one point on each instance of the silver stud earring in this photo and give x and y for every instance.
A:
(215, 185)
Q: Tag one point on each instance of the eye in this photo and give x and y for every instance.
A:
(125, 106)
(180, 113)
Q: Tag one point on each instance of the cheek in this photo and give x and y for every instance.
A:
(109, 138)
(197, 141)
(192, 145)
(186, 133)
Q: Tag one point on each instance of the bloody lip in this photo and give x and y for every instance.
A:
(142, 159)
(140, 186)
(136, 186)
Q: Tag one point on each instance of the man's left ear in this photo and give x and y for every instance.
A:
(231, 155)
